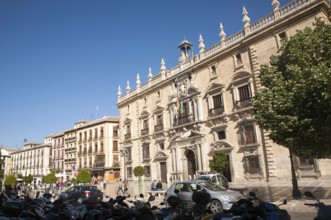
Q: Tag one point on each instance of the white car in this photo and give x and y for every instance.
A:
(221, 198)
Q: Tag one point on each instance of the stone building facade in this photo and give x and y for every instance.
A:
(173, 124)
(92, 145)
(34, 159)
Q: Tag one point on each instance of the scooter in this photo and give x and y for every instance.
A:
(323, 211)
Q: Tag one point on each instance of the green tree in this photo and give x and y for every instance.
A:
(10, 180)
(219, 163)
(49, 178)
(28, 179)
(139, 171)
(294, 104)
(83, 176)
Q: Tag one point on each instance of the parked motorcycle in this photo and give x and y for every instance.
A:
(254, 208)
(323, 211)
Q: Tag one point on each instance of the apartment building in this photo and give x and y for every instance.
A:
(92, 145)
(34, 159)
(173, 124)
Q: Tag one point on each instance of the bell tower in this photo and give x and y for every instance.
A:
(185, 50)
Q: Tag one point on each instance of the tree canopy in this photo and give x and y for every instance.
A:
(49, 178)
(10, 180)
(139, 171)
(219, 163)
(28, 179)
(83, 176)
(294, 104)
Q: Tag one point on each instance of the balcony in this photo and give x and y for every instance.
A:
(243, 103)
(144, 131)
(216, 111)
(158, 127)
(127, 136)
(185, 119)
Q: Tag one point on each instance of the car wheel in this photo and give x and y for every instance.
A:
(216, 206)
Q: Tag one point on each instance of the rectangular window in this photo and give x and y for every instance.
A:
(147, 170)
(159, 120)
(238, 59)
(221, 135)
(146, 151)
(282, 38)
(101, 147)
(101, 132)
(115, 146)
(217, 101)
(244, 93)
(161, 145)
(129, 155)
(129, 171)
(248, 135)
(252, 164)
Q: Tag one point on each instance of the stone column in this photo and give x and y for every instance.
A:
(200, 113)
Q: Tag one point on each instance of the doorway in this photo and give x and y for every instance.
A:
(163, 168)
(191, 165)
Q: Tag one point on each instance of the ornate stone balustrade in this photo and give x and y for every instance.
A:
(290, 8)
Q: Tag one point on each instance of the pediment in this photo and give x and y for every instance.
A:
(160, 156)
(144, 114)
(241, 76)
(214, 87)
(221, 146)
(158, 109)
(127, 121)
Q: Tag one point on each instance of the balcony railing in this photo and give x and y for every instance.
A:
(184, 120)
(158, 127)
(216, 111)
(144, 131)
(127, 136)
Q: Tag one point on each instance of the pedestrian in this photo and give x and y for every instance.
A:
(120, 186)
(104, 185)
(153, 186)
(159, 185)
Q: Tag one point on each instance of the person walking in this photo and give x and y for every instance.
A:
(104, 185)
(120, 187)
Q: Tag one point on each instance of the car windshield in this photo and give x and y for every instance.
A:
(203, 178)
(212, 186)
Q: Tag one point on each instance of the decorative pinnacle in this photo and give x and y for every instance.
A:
(138, 80)
(128, 87)
(246, 19)
(163, 68)
(201, 44)
(150, 76)
(222, 33)
(119, 93)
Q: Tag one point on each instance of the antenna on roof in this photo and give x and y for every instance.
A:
(96, 115)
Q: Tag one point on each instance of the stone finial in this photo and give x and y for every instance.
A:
(222, 33)
(201, 44)
(138, 80)
(275, 4)
(246, 19)
(119, 93)
(128, 87)
(150, 75)
(163, 67)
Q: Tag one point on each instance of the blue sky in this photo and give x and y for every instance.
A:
(59, 59)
